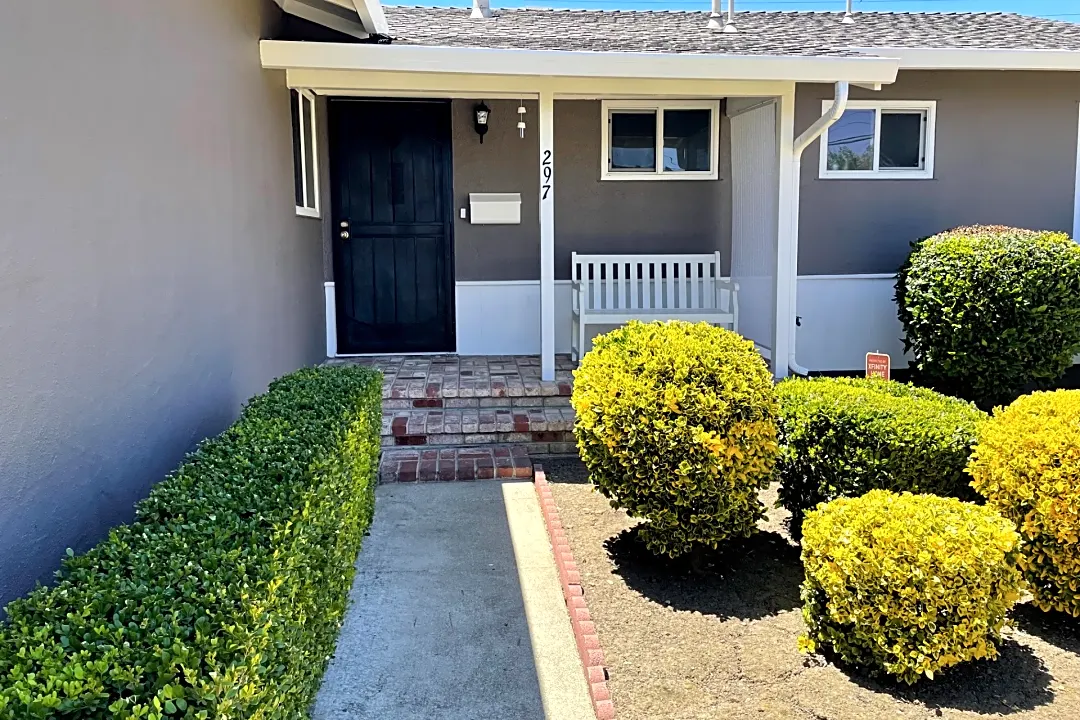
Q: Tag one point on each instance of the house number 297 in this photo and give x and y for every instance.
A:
(546, 173)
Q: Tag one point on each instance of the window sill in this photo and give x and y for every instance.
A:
(308, 212)
(868, 175)
(607, 175)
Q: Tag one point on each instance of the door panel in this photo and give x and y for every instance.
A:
(391, 178)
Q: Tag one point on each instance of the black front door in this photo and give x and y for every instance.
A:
(393, 220)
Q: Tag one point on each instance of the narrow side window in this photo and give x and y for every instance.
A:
(305, 153)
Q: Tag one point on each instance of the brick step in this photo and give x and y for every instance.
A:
(487, 421)
(487, 462)
(472, 403)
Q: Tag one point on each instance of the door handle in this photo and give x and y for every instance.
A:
(344, 234)
(344, 229)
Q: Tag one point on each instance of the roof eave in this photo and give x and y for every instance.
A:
(913, 58)
(359, 18)
(286, 55)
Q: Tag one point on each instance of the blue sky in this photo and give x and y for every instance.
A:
(1058, 9)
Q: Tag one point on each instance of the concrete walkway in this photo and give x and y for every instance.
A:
(438, 627)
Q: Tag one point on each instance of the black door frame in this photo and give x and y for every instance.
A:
(447, 190)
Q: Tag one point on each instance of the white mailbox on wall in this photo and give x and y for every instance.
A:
(495, 208)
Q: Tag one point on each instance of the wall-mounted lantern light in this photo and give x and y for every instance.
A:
(481, 115)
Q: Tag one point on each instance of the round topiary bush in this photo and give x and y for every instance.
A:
(841, 437)
(907, 584)
(676, 424)
(988, 311)
(1027, 466)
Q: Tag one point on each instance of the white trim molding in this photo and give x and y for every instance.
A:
(293, 55)
(330, 296)
(928, 109)
(977, 58)
(658, 108)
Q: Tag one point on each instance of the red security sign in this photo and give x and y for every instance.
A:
(878, 365)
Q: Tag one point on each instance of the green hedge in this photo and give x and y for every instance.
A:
(842, 437)
(224, 598)
(990, 311)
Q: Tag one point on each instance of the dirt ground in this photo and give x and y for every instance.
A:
(722, 644)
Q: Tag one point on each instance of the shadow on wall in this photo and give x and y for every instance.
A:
(65, 485)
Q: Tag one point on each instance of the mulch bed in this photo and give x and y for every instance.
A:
(721, 642)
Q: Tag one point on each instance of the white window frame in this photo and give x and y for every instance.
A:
(927, 148)
(311, 207)
(607, 107)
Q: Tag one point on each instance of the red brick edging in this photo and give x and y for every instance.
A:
(588, 643)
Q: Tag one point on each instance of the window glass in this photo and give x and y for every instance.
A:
(686, 140)
(633, 141)
(308, 108)
(851, 141)
(298, 158)
(901, 140)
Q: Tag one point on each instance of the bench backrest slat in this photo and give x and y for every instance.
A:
(649, 282)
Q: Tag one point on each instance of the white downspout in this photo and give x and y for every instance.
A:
(812, 133)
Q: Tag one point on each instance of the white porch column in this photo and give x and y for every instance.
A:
(786, 276)
(547, 235)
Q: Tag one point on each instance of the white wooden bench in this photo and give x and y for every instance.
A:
(615, 289)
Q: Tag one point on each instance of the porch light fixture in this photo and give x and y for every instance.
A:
(481, 115)
(521, 120)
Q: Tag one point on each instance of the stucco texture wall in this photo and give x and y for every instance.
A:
(591, 216)
(153, 274)
(1005, 154)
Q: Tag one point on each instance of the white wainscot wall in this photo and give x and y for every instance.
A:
(503, 318)
(843, 318)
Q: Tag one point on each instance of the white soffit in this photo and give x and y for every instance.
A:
(978, 58)
(286, 55)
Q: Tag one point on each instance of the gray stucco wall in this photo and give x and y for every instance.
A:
(504, 163)
(590, 215)
(153, 274)
(1006, 154)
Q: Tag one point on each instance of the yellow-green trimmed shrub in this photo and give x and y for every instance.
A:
(1027, 466)
(989, 310)
(224, 598)
(676, 424)
(907, 584)
(841, 437)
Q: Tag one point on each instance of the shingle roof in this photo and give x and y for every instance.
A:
(760, 33)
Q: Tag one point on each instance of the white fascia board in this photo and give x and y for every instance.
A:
(324, 14)
(287, 55)
(978, 59)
